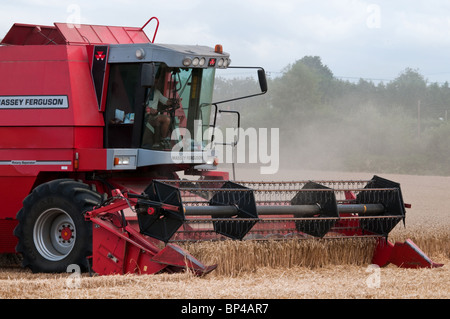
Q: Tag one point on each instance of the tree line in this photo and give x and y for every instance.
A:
(400, 126)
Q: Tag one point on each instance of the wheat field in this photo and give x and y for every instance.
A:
(290, 269)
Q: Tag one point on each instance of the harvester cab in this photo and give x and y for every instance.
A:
(159, 101)
(95, 123)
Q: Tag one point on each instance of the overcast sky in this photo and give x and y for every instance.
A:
(354, 38)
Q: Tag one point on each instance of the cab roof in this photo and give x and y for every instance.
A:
(68, 34)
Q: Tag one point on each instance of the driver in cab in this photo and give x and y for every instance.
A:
(157, 124)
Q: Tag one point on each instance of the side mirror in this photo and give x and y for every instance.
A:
(262, 83)
(262, 80)
(148, 75)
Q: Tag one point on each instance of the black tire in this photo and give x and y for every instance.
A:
(52, 231)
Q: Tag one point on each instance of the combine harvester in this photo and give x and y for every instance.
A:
(89, 160)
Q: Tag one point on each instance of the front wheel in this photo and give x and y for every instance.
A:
(52, 232)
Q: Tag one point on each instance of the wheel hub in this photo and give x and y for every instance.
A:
(66, 233)
(54, 234)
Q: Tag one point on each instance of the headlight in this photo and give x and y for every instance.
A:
(201, 62)
(187, 62)
(140, 53)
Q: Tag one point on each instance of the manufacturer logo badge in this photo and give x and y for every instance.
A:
(100, 55)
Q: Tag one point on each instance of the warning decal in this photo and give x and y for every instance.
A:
(34, 102)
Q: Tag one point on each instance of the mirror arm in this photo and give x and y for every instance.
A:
(262, 83)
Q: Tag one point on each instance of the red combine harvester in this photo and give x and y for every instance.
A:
(95, 124)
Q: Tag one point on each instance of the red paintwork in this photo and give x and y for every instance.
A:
(101, 34)
(404, 255)
(121, 249)
(7, 243)
(63, 33)
(50, 138)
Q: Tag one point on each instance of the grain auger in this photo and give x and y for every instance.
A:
(171, 211)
